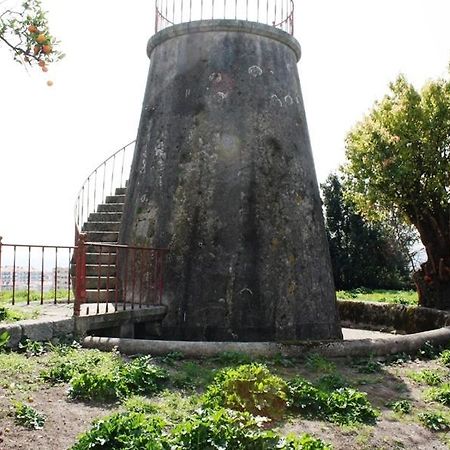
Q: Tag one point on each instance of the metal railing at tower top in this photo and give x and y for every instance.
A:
(276, 13)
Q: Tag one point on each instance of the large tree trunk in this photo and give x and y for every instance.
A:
(433, 279)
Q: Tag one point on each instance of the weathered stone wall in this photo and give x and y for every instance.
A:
(223, 176)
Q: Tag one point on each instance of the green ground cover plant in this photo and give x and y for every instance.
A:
(28, 417)
(13, 315)
(427, 376)
(207, 429)
(400, 406)
(435, 421)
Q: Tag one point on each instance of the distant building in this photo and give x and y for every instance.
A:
(61, 276)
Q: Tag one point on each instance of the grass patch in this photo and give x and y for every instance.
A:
(22, 296)
(426, 376)
(439, 394)
(191, 375)
(382, 296)
(9, 315)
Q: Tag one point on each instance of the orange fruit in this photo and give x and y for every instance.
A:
(41, 38)
(32, 29)
(36, 49)
(47, 49)
(44, 69)
(41, 63)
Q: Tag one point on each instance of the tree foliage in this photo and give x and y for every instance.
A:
(26, 33)
(399, 161)
(363, 253)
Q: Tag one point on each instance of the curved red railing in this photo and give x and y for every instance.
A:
(102, 181)
(276, 13)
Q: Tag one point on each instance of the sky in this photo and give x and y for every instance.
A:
(51, 138)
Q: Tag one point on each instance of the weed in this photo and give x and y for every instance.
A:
(140, 405)
(435, 421)
(4, 339)
(429, 351)
(251, 388)
(440, 394)
(368, 366)
(283, 361)
(13, 315)
(171, 358)
(400, 406)
(32, 348)
(191, 376)
(320, 364)
(129, 430)
(121, 380)
(343, 405)
(331, 382)
(232, 358)
(444, 358)
(28, 417)
(426, 376)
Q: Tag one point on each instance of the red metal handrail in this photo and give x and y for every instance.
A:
(53, 274)
(141, 267)
(276, 13)
(112, 173)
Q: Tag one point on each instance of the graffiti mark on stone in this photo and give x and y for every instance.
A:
(289, 100)
(215, 77)
(188, 93)
(255, 71)
(275, 100)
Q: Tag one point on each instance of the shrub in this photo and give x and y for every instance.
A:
(251, 388)
(320, 364)
(28, 417)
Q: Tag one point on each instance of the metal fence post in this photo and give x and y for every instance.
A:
(80, 275)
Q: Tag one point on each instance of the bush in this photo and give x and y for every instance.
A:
(306, 398)
(251, 388)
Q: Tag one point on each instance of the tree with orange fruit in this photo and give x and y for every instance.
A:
(25, 32)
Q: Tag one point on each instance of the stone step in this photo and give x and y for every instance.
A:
(115, 199)
(105, 250)
(105, 270)
(93, 282)
(105, 217)
(102, 236)
(110, 207)
(102, 296)
(104, 258)
(121, 191)
(101, 226)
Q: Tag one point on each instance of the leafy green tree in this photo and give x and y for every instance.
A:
(363, 253)
(25, 32)
(399, 162)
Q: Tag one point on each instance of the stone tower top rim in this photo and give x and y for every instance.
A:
(219, 25)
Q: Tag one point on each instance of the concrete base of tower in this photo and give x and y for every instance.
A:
(223, 176)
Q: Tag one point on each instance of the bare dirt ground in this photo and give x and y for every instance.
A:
(66, 419)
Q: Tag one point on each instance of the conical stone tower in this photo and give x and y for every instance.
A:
(223, 176)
